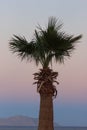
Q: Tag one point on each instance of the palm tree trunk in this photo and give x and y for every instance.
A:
(46, 112)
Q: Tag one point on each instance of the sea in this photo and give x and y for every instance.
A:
(35, 128)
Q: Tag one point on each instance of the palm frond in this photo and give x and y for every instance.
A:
(75, 39)
(20, 46)
(54, 24)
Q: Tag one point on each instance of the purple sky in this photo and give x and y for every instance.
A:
(17, 94)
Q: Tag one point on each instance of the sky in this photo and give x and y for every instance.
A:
(18, 95)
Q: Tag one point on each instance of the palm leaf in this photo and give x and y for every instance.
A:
(20, 46)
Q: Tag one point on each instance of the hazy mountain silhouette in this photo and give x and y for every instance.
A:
(20, 121)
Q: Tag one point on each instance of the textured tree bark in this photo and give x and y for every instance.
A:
(46, 112)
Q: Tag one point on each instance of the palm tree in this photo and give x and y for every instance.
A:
(48, 44)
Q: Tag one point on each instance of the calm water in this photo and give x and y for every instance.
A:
(35, 128)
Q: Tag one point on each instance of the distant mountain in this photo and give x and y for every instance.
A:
(20, 121)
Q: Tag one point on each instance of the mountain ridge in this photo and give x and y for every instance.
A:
(20, 120)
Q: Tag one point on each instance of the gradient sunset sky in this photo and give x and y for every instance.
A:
(17, 94)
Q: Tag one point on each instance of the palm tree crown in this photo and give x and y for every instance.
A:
(47, 44)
